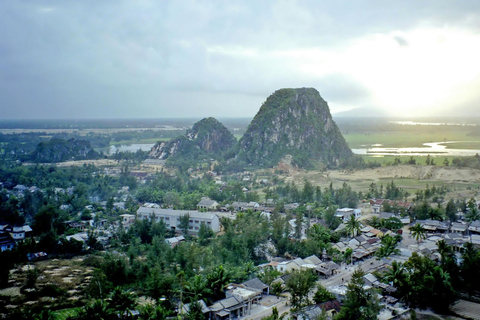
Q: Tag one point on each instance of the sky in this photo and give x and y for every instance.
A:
(162, 59)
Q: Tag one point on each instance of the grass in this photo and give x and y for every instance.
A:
(66, 313)
(403, 139)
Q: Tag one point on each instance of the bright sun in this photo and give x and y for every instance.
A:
(413, 73)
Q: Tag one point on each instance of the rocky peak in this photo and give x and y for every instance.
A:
(207, 137)
(294, 122)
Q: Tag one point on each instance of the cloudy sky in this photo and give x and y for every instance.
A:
(120, 59)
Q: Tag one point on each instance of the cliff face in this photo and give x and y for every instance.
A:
(297, 123)
(208, 137)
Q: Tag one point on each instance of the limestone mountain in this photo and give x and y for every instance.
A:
(295, 124)
(57, 150)
(207, 137)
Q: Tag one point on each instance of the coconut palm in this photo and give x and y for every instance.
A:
(352, 226)
(389, 247)
(197, 288)
(398, 276)
(418, 232)
(218, 279)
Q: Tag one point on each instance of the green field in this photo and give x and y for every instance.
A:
(411, 139)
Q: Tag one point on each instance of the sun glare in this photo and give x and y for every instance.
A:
(408, 73)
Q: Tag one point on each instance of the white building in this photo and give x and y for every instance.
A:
(171, 218)
(345, 213)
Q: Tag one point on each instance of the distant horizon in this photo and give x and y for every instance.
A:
(147, 123)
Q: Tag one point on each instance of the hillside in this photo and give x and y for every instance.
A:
(294, 124)
(207, 138)
(57, 150)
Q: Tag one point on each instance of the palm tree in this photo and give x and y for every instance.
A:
(418, 232)
(218, 279)
(197, 288)
(152, 312)
(97, 310)
(352, 226)
(444, 249)
(375, 222)
(121, 301)
(389, 247)
(398, 276)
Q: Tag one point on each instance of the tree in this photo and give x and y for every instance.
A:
(418, 232)
(469, 270)
(330, 217)
(299, 285)
(389, 247)
(184, 223)
(218, 279)
(197, 289)
(275, 315)
(153, 312)
(204, 234)
(359, 303)
(96, 310)
(451, 211)
(121, 301)
(352, 226)
(195, 311)
(322, 295)
(397, 275)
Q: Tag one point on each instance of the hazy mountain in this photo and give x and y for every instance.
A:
(207, 137)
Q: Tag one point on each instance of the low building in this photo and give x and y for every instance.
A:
(207, 204)
(127, 220)
(346, 213)
(6, 241)
(229, 308)
(18, 233)
(171, 218)
(173, 242)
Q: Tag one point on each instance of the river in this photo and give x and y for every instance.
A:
(432, 148)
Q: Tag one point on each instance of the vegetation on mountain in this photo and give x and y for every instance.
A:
(208, 138)
(295, 122)
(57, 150)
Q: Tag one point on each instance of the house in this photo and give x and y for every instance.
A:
(377, 205)
(256, 284)
(474, 227)
(174, 241)
(6, 241)
(228, 308)
(331, 308)
(291, 265)
(171, 218)
(458, 227)
(185, 308)
(244, 206)
(18, 233)
(327, 268)
(207, 204)
(346, 213)
(249, 296)
(127, 220)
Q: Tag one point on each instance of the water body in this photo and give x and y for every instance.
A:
(432, 148)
